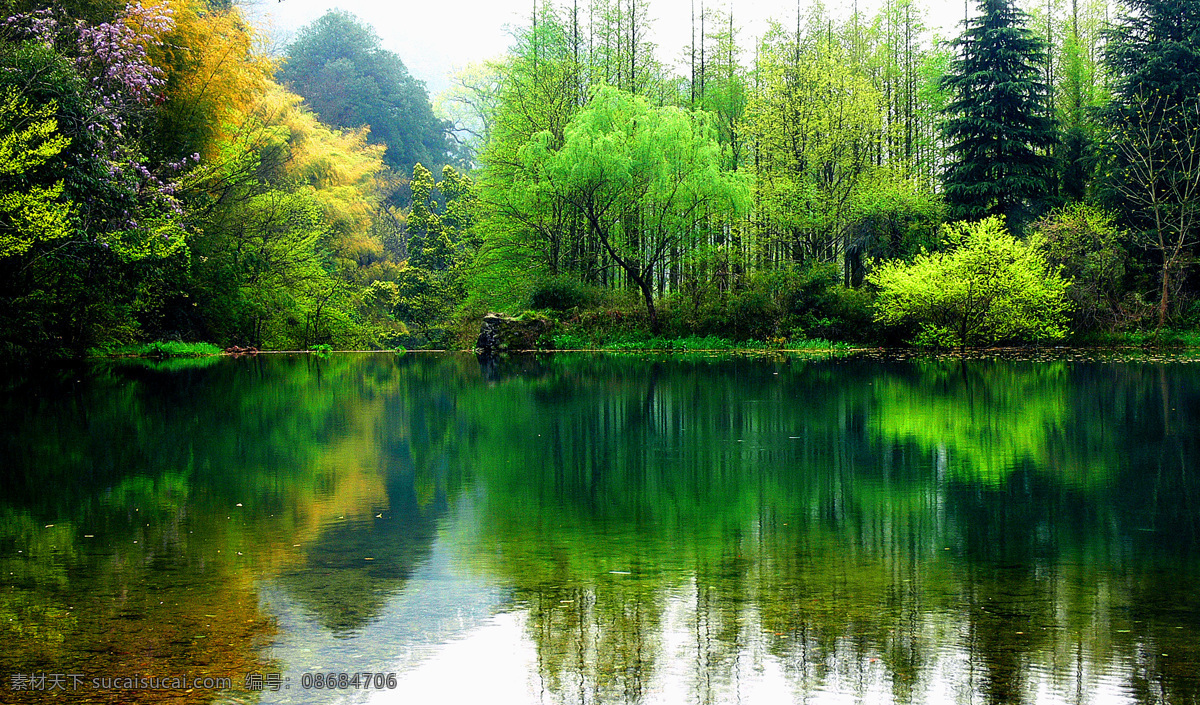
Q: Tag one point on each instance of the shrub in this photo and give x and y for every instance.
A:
(987, 287)
(1086, 243)
(752, 315)
(848, 314)
(809, 291)
(563, 293)
(813, 303)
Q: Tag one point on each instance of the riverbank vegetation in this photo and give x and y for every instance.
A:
(162, 178)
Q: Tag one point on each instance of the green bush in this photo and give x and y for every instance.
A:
(986, 288)
(753, 315)
(809, 291)
(775, 308)
(786, 305)
(564, 293)
(843, 314)
(812, 303)
(1085, 243)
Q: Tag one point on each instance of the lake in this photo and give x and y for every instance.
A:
(601, 529)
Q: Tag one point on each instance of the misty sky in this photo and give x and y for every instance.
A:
(433, 38)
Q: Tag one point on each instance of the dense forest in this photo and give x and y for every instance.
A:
(845, 177)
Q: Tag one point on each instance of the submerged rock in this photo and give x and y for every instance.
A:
(500, 333)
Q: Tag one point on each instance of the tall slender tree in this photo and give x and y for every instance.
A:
(999, 125)
(1075, 156)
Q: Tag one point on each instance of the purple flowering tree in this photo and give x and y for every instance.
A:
(126, 203)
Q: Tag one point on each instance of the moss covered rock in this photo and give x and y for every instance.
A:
(500, 333)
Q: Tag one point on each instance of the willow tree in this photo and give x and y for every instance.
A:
(641, 177)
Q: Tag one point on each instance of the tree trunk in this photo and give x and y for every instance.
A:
(1162, 302)
(646, 284)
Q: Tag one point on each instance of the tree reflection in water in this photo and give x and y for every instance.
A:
(662, 529)
(903, 531)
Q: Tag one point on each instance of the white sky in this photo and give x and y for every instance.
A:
(434, 38)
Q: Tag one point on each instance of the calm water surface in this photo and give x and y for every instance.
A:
(603, 529)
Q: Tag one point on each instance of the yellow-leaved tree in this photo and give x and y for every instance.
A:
(213, 78)
(289, 226)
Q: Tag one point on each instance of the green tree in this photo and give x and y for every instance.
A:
(1154, 50)
(440, 246)
(932, 99)
(817, 123)
(893, 57)
(338, 66)
(1086, 244)
(1154, 117)
(69, 282)
(890, 218)
(1158, 152)
(641, 177)
(999, 125)
(986, 287)
(470, 104)
(29, 213)
(285, 240)
(1080, 95)
(718, 82)
(539, 87)
(266, 251)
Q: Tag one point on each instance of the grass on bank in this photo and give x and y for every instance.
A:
(160, 349)
(567, 341)
(642, 341)
(1165, 338)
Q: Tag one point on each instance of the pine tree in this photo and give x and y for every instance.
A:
(999, 125)
(1155, 50)
(1154, 57)
(1154, 116)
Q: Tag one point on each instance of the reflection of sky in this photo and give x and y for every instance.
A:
(453, 635)
(441, 602)
(496, 662)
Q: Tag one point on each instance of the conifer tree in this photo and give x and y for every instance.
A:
(999, 125)
(1155, 50)
(1154, 116)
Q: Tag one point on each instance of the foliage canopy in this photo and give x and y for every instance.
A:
(338, 65)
